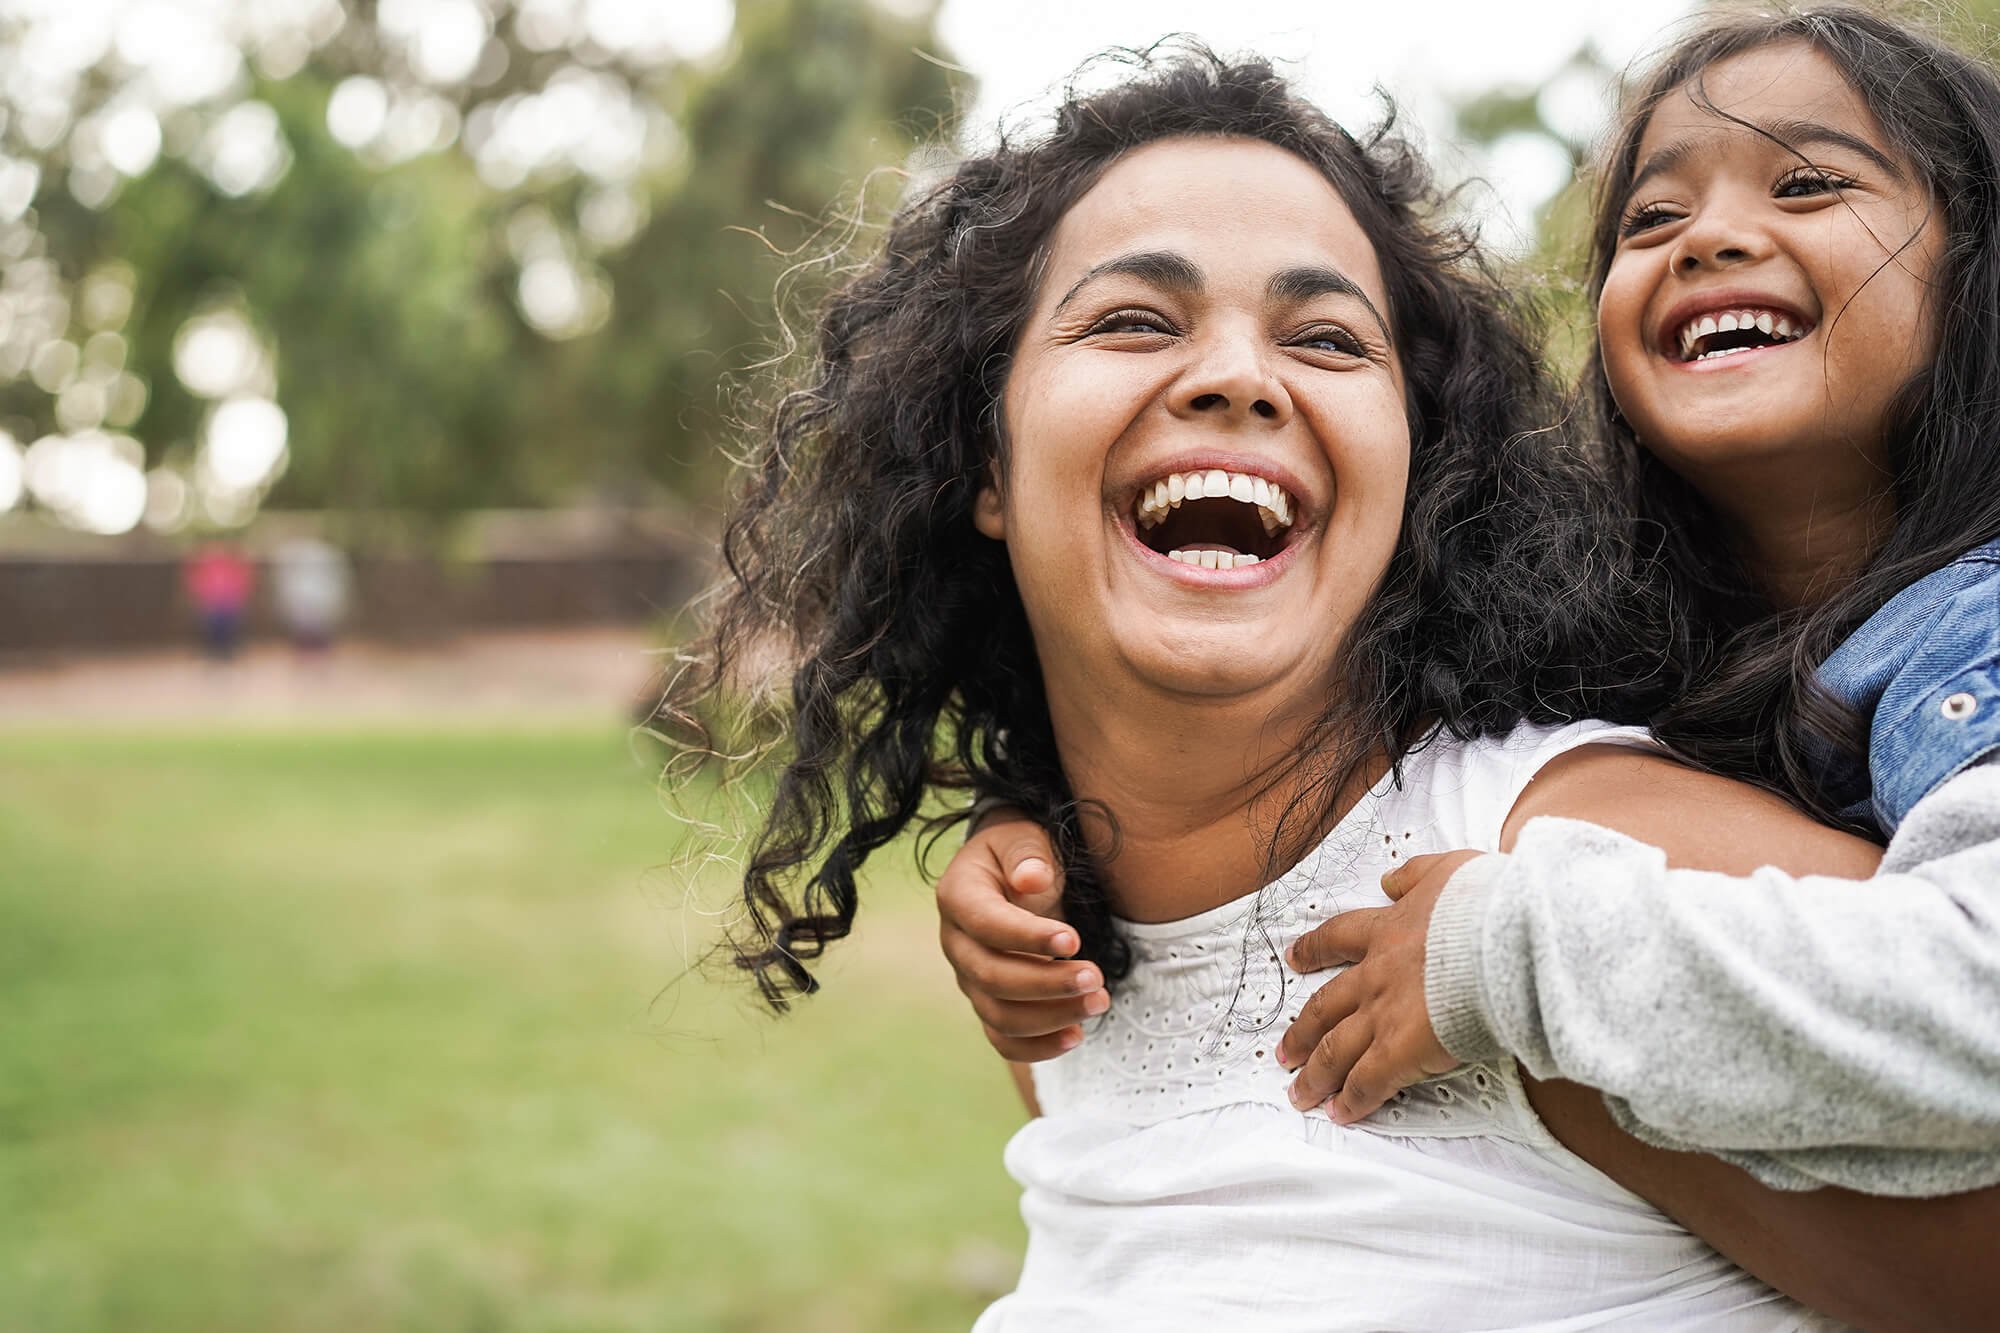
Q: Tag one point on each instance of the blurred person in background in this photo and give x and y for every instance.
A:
(310, 584)
(219, 580)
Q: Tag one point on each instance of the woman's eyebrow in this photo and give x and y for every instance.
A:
(1294, 285)
(1162, 268)
(1176, 272)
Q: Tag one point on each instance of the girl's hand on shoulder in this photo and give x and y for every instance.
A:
(1367, 1034)
(1000, 926)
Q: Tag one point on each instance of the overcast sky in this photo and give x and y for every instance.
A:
(1424, 52)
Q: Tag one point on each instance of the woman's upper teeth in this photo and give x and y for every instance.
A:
(1164, 496)
(1774, 324)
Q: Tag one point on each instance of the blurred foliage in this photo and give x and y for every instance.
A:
(389, 289)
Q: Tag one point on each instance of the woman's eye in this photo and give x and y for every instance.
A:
(1331, 339)
(1132, 321)
(1644, 218)
(1809, 181)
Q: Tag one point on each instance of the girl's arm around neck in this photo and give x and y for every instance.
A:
(1883, 1263)
(1815, 1029)
(1702, 821)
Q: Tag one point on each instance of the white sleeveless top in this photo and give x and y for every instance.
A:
(1169, 1184)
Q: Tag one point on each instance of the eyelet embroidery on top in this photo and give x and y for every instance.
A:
(1188, 1003)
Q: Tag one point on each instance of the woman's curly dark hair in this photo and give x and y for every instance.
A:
(1754, 708)
(853, 561)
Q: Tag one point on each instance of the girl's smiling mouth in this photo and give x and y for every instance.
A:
(1726, 325)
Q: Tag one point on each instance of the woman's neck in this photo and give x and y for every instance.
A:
(1195, 790)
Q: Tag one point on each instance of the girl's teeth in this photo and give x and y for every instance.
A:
(1767, 322)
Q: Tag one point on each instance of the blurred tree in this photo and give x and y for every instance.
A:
(764, 153)
(475, 257)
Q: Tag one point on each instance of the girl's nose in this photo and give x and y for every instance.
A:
(1713, 241)
(1233, 379)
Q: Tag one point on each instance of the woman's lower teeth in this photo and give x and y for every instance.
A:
(1213, 559)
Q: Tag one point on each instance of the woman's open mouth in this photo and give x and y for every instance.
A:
(1213, 519)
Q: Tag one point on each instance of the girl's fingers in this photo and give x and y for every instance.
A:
(976, 905)
(1021, 1020)
(1403, 878)
(1031, 1050)
(1319, 1015)
(1326, 1069)
(1370, 1082)
(1341, 940)
(1029, 865)
(1398, 882)
(1015, 976)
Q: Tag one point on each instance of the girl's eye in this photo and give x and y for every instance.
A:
(1644, 217)
(1809, 181)
(1132, 321)
(1331, 338)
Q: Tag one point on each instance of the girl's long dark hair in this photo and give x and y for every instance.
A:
(1753, 708)
(854, 569)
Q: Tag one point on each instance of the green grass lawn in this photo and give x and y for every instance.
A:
(322, 1031)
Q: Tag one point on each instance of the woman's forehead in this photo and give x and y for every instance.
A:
(1237, 208)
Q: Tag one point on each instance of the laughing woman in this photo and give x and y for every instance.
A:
(1170, 478)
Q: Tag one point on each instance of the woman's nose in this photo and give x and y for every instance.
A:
(1233, 378)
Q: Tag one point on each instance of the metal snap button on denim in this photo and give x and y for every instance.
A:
(1959, 706)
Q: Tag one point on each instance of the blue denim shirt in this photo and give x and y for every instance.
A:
(1926, 669)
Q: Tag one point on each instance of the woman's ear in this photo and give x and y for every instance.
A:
(988, 514)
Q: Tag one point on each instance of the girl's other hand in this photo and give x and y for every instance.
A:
(1000, 925)
(1366, 1035)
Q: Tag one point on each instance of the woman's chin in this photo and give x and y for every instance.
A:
(1213, 663)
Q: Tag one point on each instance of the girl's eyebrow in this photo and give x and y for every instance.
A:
(1176, 272)
(1791, 134)
(1670, 158)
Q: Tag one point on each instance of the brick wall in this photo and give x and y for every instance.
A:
(55, 602)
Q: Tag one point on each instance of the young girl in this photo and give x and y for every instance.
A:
(1166, 477)
(1798, 272)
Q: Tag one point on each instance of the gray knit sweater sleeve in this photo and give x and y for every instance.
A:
(1814, 1031)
